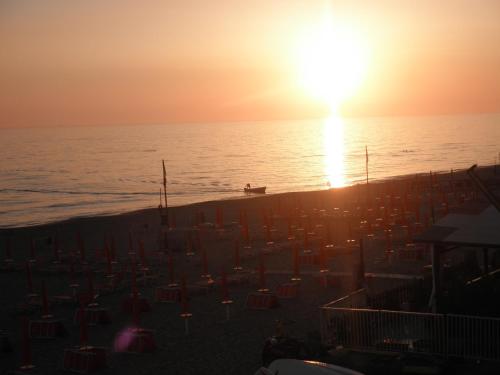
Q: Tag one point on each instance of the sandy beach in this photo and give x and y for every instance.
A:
(215, 344)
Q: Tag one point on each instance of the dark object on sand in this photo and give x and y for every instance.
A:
(5, 343)
(85, 360)
(46, 328)
(281, 345)
(256, 190)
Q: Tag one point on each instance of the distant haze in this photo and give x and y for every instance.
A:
(138, 62)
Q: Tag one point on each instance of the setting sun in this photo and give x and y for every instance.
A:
(332, 62)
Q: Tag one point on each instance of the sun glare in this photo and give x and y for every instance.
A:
(332, 62)
(333, 136)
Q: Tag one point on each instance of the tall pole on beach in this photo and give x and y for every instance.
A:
(366, 167)
(165, 184)
(166, 223)
(431, 197)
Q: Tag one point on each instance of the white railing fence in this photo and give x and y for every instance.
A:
(445, 335)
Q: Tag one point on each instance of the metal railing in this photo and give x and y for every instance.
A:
(357, 298)
(449, 335)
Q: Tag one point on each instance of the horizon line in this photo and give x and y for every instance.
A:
(212, 122)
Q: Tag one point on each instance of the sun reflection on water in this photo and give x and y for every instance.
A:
(333, 141)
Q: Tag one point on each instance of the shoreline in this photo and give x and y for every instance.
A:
(150, 210)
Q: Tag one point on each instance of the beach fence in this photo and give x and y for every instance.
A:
(349, 324)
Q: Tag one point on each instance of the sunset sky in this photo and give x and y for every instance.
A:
(138, 62)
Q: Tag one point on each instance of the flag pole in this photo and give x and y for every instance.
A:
(165, 238)
(366, 167)
(165, 184)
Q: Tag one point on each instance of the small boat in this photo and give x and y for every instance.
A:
(256, 190)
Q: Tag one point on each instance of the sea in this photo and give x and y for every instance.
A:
(56, 173)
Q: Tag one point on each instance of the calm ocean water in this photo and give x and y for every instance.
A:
(50, 174)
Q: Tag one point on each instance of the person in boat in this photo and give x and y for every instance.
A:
(248, 186)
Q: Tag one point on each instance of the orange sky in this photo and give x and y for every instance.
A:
(121, 62)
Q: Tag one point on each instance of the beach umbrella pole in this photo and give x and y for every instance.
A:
(26, 363)
(185, 314)
(29, 279)
(45, 302)
(225, 293)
